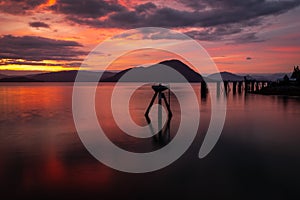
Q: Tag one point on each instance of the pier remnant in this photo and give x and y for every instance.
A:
(159, 91)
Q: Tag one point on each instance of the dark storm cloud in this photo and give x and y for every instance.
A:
(205, 13)
(248, 58)
(260, 6)
(19, 7)
(217, 20)
(39, 25)
(194, 4)
(86, 8)
(32, 48)
(145, 7)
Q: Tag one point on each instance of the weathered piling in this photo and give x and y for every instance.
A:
(234, 84)
(240, 85)
(226, 86)
(204, 89)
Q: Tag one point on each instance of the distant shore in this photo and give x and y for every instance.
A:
(280, 90)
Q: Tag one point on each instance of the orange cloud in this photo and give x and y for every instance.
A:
(47, 4)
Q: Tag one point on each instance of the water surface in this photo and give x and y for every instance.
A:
(41, 155)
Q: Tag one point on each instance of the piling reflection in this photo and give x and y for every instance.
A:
(204, 90)
(163, 137)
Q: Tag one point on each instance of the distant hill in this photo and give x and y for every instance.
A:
(185, 70)
(145, 74)
(226, 76)
(19, 79)
(117, 76)
(68, 76)
(62, 76)
(269, 77)
(2, 76)
(12, 73)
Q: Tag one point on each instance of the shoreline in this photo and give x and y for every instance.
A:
(280, 90)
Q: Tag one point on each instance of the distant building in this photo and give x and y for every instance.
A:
(296, 75)
(293, 80)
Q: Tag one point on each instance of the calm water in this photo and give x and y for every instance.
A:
(41, 155)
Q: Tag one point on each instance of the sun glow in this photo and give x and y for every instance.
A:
(16, 67)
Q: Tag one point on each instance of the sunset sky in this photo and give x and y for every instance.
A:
(251, 36)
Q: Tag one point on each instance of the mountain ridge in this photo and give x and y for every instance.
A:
(142, 73)
(226, 76)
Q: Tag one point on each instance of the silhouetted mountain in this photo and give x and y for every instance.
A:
(69, 76)
(269, 77)
(2, 76)
(226, 76)
(62, 76)
(19, 79)
(155, 73)
(117, 76)
(183, 69)
(11, 73)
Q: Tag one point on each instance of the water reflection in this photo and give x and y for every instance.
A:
(41, 154)
(163, 137)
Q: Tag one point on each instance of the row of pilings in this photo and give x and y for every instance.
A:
(249, 86)
(254, 85)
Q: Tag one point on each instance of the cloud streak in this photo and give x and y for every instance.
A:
(86, 9)
(32, 48)
(17, 7)
(39, 25)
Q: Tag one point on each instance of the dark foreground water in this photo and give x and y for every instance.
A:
(41, 155)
